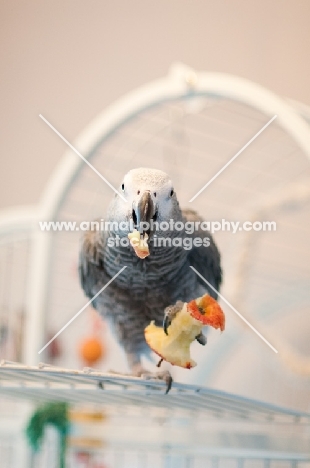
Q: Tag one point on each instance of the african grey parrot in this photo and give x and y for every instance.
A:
(148, 288)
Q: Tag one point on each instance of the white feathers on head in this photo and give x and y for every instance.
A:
(147, 179)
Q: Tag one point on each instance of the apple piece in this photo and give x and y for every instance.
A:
(140, 245)
(185, 326)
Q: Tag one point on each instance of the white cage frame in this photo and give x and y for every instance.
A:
(181, 82)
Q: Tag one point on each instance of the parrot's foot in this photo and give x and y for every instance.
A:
(165, 375)
(139, 371)
(171, 312)
(162, 375)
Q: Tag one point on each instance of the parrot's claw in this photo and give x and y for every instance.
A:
(139, 371)
(202, 339)
(166, 323)
(170, 313)
(163, 375)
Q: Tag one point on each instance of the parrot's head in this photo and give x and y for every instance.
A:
(150, 198)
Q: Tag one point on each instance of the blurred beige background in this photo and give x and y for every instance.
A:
(69, 59)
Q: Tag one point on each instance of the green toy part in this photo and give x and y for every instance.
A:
(55, 414)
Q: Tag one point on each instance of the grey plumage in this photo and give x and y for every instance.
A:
(147, 286)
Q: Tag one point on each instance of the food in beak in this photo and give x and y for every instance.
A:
(139, 244)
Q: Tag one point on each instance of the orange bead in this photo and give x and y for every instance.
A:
(92, 350)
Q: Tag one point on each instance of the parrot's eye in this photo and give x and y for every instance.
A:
(172, 192)
(123, 187)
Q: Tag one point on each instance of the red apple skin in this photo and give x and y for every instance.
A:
(208, 311)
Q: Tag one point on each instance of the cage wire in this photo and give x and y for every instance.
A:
(191, 426)
(189, 125)
(16, 238)
(16, 235)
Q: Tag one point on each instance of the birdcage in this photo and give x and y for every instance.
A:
(248, 149)
(17, 227)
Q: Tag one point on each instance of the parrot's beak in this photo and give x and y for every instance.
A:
(145, 211)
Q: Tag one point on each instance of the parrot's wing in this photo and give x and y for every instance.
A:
(91, 269)
(206, 260)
